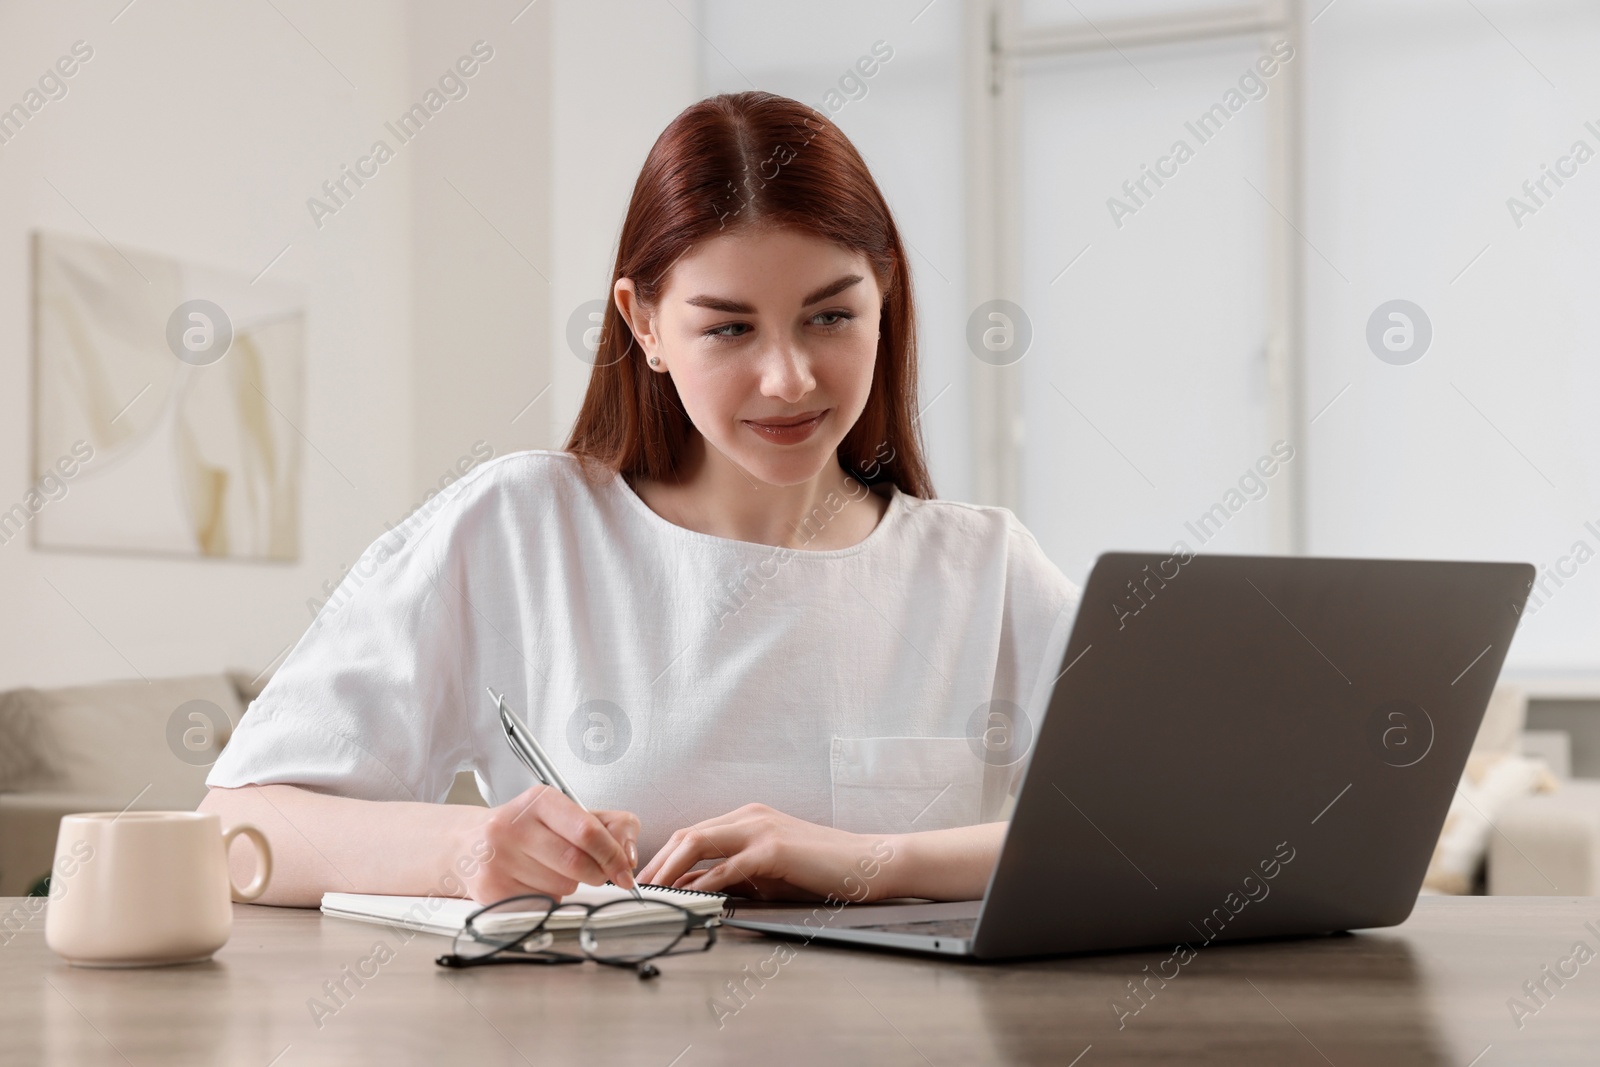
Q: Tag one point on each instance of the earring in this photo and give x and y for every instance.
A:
(655, 361)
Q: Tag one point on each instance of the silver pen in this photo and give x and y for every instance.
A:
(532, 754)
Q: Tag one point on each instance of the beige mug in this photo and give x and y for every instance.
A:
(142, 888)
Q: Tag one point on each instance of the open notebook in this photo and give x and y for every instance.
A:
(447, 915)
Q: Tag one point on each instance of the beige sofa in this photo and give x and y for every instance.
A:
(103, 748)
(1548, 844)
(1539, 833)
(143, 746)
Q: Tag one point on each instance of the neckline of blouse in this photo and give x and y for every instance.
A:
(877, 533)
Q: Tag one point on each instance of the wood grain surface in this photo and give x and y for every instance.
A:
(1435, 990)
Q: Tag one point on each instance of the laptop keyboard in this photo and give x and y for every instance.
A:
(928, 928)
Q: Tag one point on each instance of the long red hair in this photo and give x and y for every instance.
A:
(729, 162)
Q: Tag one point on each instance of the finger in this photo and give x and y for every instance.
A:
(715, 879)
(732, 875)
(769, 889)
(619, 822)
(514, 872)
(528, 832)
(541, 817)
(583, 830)
(698, 844)
(624, 826)
(524, 804)
(649, 871)
(560, 855)
(652, 869)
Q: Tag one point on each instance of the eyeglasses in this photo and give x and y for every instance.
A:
(535, 928)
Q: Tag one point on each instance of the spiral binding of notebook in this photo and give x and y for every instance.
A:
(669, 889)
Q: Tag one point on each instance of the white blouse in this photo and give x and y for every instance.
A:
(878, 688)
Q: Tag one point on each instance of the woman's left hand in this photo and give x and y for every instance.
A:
(772, 856)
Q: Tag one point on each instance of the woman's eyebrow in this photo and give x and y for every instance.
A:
(733, 307)
(831, 289)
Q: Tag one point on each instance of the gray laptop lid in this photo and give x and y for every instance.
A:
(1247, 747)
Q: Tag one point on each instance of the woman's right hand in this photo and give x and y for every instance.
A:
(542, 842)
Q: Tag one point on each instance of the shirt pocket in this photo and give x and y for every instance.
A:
(905, 784)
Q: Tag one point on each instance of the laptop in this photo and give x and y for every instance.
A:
(1229, 748)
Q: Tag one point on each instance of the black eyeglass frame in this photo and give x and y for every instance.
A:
(509, 953)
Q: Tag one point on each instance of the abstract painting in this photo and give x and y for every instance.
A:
(185, 384)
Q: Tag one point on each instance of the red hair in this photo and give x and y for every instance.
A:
(727, 163)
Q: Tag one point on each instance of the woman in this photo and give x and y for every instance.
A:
(730, 609)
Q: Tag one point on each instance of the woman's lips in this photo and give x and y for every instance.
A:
(787, 431)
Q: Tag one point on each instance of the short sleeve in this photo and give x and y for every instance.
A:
(368, 703)
(1042, 606)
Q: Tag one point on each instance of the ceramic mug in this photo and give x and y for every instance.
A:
(142, 888)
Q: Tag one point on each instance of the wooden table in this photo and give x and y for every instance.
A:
(1433, 991)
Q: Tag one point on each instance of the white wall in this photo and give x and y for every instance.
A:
(1423, 118)
(619, 72)
(198, 131)
(482, 220)
(1145, 393)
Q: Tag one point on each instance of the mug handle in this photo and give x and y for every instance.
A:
(258, 884)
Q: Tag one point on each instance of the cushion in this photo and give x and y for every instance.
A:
(1548, 844)
(1501, 730)
(250, 683)
(1552, 746)
(29, 823)
(1493, 781)
(113, 739)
